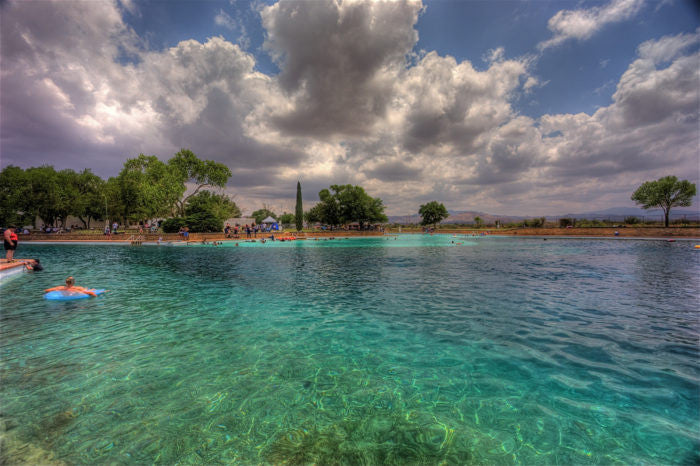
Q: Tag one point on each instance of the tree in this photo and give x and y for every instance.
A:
(314, 214)
(347, 203)
(204, 222)
(665, 193)
(202, 173)
(287, 218)
(148, 188)
(299, 210)
(90, 201)
(260, 215)
(328, 210)
(44, 195)
(478, 221)
(13, 196)
(219, 205)
(173, 224)
(432, 213)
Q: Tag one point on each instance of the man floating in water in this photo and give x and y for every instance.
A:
(70, 286)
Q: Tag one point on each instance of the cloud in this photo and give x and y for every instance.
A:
(444, 103)
(351, 104)
(394, 170)
(667, 48)
(130, 6)
(582, 24)
(339, 61)
(224, 19)
(650, 126)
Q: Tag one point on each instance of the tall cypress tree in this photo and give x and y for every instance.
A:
(299, 211)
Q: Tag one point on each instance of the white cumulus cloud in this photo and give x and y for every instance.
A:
(351, 105)
(582, 24)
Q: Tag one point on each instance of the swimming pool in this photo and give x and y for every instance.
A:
(371, 350)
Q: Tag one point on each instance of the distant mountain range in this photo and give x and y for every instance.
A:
(613, 213)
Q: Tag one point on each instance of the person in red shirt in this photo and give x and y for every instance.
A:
(10, 243)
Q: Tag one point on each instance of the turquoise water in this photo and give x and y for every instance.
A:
(362, 351)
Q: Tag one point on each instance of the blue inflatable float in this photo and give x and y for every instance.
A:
(67, 295)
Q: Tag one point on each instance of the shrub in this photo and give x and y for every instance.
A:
(631, 220)
(680, 221)
(204, 222)
(173, 225)
(565, 222)
(534, 223)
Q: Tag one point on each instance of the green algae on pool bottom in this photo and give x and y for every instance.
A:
(502, 352)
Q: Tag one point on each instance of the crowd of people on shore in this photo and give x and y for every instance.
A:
(251, 231)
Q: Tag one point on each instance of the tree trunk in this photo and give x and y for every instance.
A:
(666, 212)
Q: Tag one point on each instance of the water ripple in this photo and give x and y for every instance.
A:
(364, 351)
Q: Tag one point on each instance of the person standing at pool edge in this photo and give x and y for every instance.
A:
(10, 243)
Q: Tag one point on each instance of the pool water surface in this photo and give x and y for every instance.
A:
(408, 349)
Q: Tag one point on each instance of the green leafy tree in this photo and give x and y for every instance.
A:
(347, 203)
(287, 218)
(14, 194)
(200, 173)
(112, 199)
(44, 193)
(204, 222)
(432, 213)
(173, 224)
(314, 214)
(260, 215)
(219, 205)
(328, 210)
(89, 203)
(478, 221)
(148, 188)
(299, 210)
(666, 192)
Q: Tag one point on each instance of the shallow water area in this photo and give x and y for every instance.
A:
(398, 349)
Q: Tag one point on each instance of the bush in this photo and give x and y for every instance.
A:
(680, 221)
(173, 225)
(204, 222)
(632, 220)
(565, 222)
(534, 223)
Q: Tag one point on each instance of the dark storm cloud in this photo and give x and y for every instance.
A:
(33, 133)
(394, 171)
(336, 60)
(217, 134)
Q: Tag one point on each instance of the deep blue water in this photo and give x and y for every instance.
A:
(363, 351)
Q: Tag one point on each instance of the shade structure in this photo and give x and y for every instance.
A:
(269, 220)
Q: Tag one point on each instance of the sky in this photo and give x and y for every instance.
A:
(507, 107)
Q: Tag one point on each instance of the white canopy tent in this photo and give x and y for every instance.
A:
(273, 224)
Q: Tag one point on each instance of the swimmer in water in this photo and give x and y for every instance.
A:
(70, 286)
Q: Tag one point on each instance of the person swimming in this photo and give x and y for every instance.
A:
(70, 286)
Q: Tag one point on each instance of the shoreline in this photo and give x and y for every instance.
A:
(170, 243)
(171, 239)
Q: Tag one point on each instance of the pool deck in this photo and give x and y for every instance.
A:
(8, 269)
